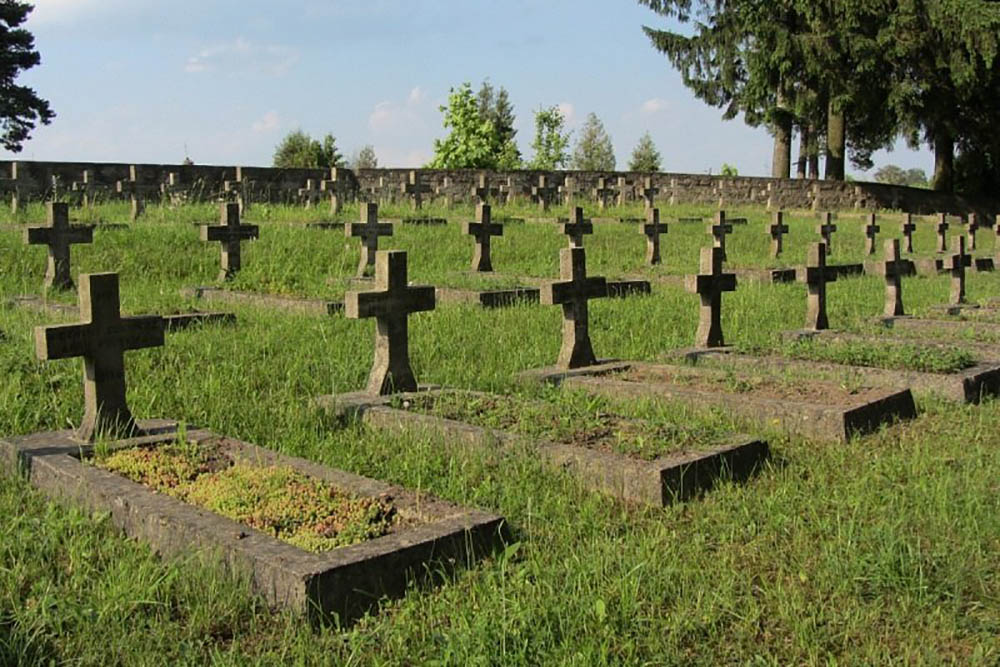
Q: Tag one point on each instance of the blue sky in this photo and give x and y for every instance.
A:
(224, 80)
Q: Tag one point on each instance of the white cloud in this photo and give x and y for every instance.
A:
(67, 11)
(268, 122)
(241, 56)
(417, 95)
(653, 105)
(568, 112)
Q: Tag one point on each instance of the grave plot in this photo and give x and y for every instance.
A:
(343, 544)
(171, 321)
(482, 231)
(815, 409)
(59, 235)
(637, 460)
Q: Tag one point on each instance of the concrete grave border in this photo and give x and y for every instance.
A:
(290, 303)
(967, 386)
(347, 581)
(659, 482)
(172, 322)
(797, 417)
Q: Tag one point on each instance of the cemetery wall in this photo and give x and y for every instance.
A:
(35, 180)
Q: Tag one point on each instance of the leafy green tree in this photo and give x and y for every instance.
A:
(495, 105)
(481, 133)
(364, 158)
(891, 175)
(593, 151)
(20, 106)
(551, 142)
(729, 170)
(298, 149)
(645, 157)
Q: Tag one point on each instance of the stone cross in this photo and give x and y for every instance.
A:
(482, 191)
(893, 269)
(446, 190)
(907, 228)
(568, 190)
(602, 192)
(543, 193)
(369, 229)
(825, 229)
(959, 261)
(816, 275)
(576, 228)
(652, 229)
(871, 230)
(973, 221)
(719, 229)
(416, 189)
(776, 230)
(572, 293)
(87, 188)
(310, 193)
(131, 188)
(648, 192)
(942, 232)
(390, 303)
(622, 189)
(101, 339)
(58, 235)
(709, 284)
(230, 234)
(482, 229)
(338, 187)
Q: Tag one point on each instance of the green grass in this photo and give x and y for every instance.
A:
(878, 551)
(910, 357)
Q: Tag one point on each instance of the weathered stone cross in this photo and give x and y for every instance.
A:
(416, 189)
(482, 191)
(369, 229)
(568, 190)
(572, 293)
(648, 192)
(390, 303)
(709, 284)
(825, 229)
(871, 231)
(337, 188)
(816, 275)
(58, 235)
(942, 232)
(893, 269)
(719, 229)
(543, 193)
(310, 193)
(87, 188)
(973, 220)
(907, 228)
(652, 229)
(577, 228)
(777, 230)
(101, 339)
(231, 234)
(131, 188)
(622, 190)
(602, 192)
(482, 229)
(959, 261)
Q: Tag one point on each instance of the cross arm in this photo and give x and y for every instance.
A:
(554, 294)
(358, 305)
(706, 283)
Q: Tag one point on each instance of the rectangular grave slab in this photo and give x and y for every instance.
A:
(326, 225)
(659, 482)
(770, 276)
(945, 328)
(830, 415)
(424, 220)
(968, 386)
(847, 270)
(498, 298)
(933, 266)
(171, 322)
(626, 288)
(346, 581)
(294, 304)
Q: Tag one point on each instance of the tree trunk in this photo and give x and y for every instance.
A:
(804, 139)
(813, 153)
(836, 142)
(944, 161)
(781, 159)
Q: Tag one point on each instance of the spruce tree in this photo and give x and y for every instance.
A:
(551, 141)
(593, 151)
(20, 106)
(645, 157)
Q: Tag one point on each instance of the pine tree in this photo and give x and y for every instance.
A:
(593, 151)
(20, 106)
(365, 158)
(551, 142)
(645, 157)
(495, 106)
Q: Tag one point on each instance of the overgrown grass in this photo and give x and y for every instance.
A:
(882, 550)
(909, 357)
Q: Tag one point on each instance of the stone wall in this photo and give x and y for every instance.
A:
(40, 180)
